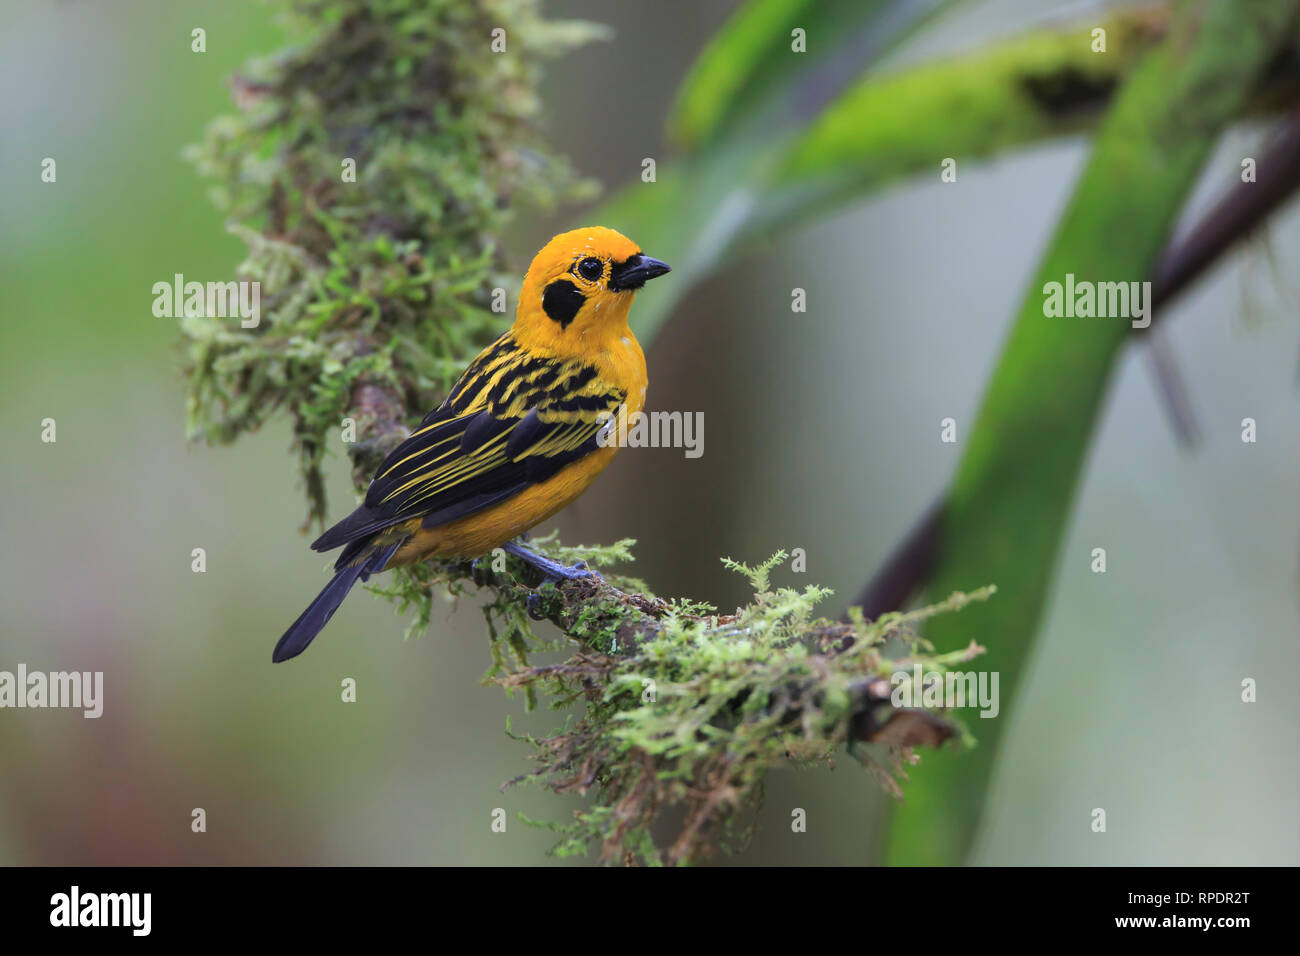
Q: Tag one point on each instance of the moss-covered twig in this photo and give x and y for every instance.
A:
(681, 711)
(684, 710)
(370, 170)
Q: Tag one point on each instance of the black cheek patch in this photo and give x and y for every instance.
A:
(561, 301)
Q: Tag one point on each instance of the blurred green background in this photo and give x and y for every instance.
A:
(822, 433)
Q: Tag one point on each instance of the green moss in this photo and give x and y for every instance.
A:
(685, 724)
(388, 279)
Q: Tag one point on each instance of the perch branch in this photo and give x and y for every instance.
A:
(613, 622)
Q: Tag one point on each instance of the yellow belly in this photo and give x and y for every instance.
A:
(477, 534)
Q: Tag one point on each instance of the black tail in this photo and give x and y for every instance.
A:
(310, 622)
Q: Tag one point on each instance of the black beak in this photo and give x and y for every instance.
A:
(635, 272)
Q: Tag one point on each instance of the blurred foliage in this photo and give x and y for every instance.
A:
(755, 74)
(1011, 498)
(1011, 93)
(771, 70)
(836, 128)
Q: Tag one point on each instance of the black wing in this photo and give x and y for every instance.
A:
(512, 420)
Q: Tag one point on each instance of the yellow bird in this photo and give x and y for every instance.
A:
(517, 438)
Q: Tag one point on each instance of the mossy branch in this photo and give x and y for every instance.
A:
(685, 710)
(370, 170)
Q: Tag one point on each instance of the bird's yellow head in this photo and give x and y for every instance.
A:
(580, 286)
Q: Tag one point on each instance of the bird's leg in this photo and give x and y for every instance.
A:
(553, 570)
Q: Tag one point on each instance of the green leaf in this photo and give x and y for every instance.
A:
(1010, 502)
(748, 184)
(717, 85)
(750, 75)
(744, 106)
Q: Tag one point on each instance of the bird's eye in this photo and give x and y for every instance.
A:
(591, 269)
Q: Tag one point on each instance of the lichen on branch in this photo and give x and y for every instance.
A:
(682, 711)
(371, 169)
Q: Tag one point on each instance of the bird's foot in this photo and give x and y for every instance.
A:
(552, 571)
